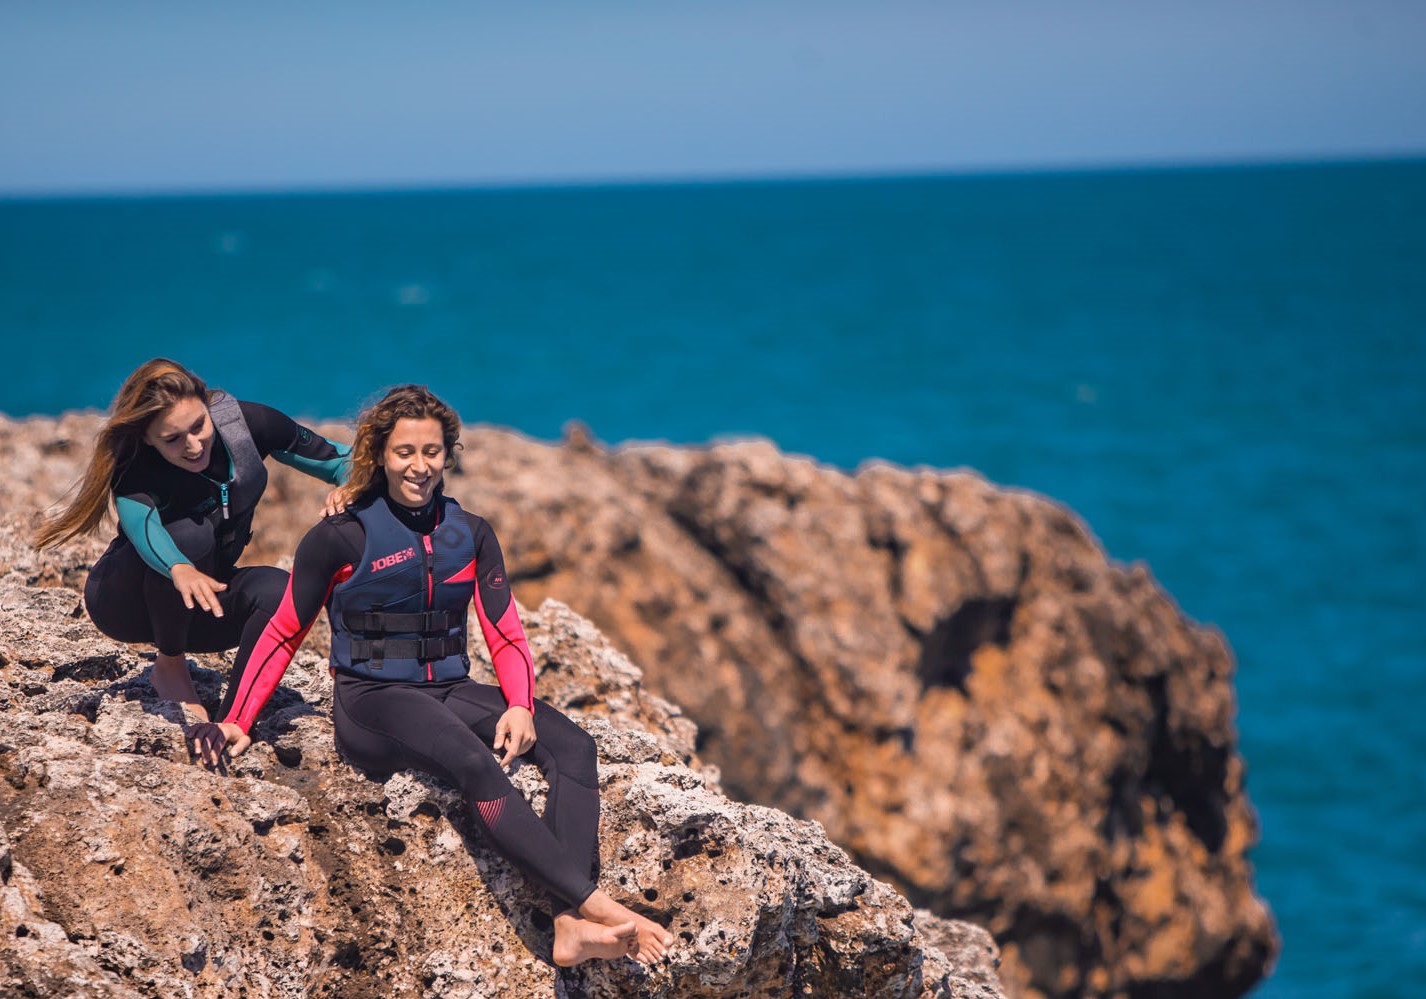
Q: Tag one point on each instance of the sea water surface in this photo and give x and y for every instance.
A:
(1221, 370)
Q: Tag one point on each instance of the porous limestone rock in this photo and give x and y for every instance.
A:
(951, 677)
(130, 871)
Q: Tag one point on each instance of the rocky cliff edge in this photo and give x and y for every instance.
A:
(950, 676)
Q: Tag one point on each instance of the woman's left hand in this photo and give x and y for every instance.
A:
(514, 733)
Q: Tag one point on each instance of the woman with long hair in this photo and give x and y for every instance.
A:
(397, 573)
(183, 465)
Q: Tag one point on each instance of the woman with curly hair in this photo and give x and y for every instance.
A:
(397, 573)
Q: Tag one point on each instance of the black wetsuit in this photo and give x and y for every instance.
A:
(442, 727)
(169, 516)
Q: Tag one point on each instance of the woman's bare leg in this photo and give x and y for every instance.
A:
(172, 681)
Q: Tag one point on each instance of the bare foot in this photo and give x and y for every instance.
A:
(172, 681)
(578, 939)
(653, 940)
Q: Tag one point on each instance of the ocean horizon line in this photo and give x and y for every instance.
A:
(399, 188)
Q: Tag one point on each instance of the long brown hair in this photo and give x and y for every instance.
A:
(374, 426)
(153, 387)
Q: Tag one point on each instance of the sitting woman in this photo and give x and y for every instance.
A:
(184, 467)
(397, 572)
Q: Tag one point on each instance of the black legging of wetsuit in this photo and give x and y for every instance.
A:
(131, 602)
(447, 730)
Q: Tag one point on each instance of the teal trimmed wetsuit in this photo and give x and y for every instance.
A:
(169, 516)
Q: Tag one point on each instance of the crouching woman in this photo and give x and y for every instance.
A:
(184, 467)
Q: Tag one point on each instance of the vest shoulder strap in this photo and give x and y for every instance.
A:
(249, 473)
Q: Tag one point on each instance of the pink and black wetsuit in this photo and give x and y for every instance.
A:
(404, 701)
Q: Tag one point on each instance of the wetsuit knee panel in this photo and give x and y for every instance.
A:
(261, 588)
(573, 749)
(468, 763)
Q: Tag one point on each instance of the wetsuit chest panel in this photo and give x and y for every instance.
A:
(180, 495)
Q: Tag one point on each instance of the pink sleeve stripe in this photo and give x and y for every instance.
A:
(466, 575)
(272, 654)
(510, 652)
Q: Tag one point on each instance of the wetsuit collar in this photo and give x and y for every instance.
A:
(218, 468)
(422, 520)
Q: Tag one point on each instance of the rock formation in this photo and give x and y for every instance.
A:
(951, 677)
(126, 870)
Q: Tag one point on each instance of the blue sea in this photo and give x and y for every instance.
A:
(1221, 370)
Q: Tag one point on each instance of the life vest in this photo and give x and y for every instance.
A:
(401, 614)
(239, 495)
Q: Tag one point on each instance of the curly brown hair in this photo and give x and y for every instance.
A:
(374, 426)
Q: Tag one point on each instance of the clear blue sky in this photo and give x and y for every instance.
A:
(204, 96)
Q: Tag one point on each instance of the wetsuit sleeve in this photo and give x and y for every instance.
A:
(324, 558)
(139, 520)
(500, 621)
(277, 434)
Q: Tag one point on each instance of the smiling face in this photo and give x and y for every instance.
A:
(414, 460)
(183, 434)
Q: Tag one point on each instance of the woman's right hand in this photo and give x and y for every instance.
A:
(211, 741)
(196, 588)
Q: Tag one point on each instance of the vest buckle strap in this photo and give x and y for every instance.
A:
(439, 648)
(378, 649)
(434, 621)
(429, 623)
(371, 649)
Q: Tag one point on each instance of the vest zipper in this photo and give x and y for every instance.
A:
(430, 586)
